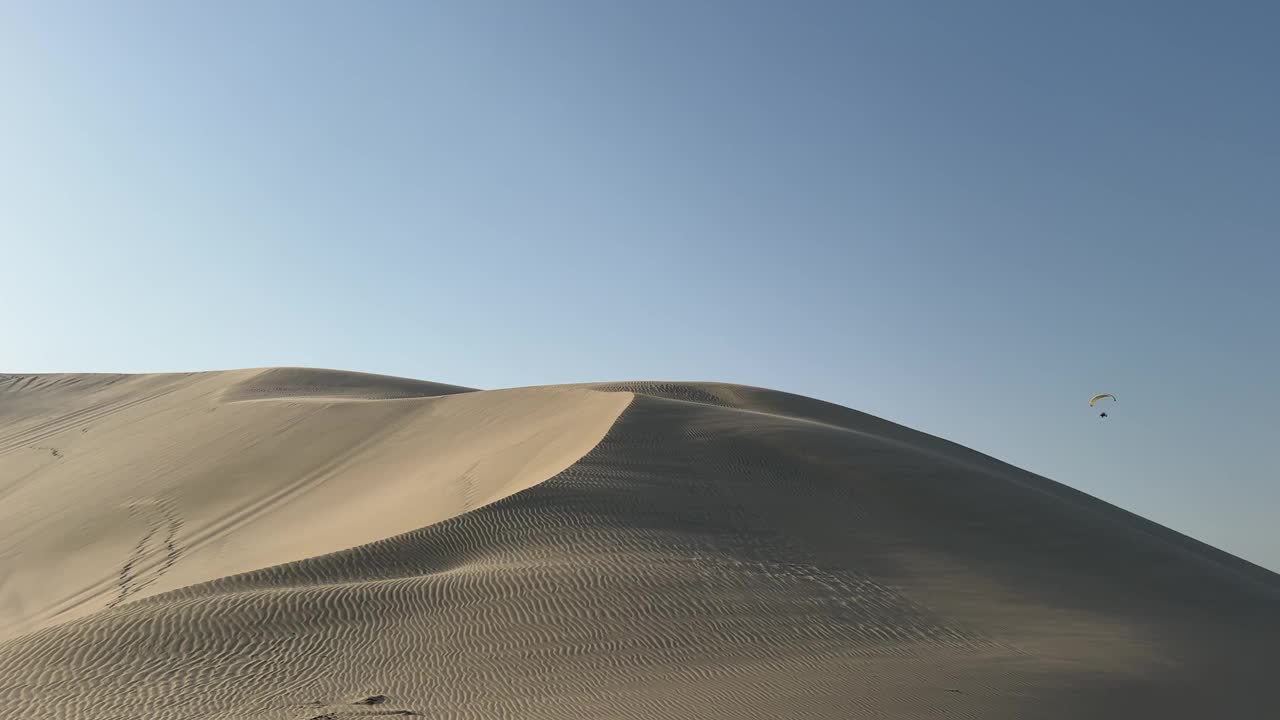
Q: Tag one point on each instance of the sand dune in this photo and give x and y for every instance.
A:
(291, 543)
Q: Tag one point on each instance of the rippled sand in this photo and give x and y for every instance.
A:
(293, 543)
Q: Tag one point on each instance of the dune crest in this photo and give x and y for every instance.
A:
(315, 545)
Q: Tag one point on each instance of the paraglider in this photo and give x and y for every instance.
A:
(1098, 397)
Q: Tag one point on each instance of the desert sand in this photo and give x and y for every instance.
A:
(297, 543)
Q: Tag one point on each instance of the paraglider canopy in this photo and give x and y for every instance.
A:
(1098, 397)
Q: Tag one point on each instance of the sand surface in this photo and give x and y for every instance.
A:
(295, 543)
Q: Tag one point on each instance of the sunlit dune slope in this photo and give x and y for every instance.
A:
(116, 488)
(306, 544)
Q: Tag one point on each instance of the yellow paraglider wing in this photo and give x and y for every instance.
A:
(1099, 396)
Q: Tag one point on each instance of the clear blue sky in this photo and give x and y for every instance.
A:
(965, 217)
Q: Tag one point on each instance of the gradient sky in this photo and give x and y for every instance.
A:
(965, 217)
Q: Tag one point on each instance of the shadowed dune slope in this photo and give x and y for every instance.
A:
(314, 544)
